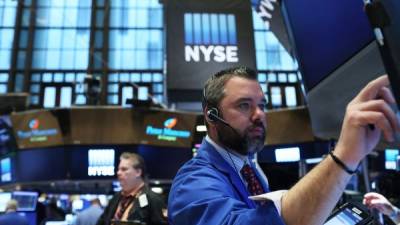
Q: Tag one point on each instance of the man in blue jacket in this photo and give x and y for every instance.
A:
(214, 187)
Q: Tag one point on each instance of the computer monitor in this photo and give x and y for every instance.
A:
(291, 154)
(26, 200)
(350, 213)
(4, 198)
(391, 157)
(57, 223)
(5, 168)
(334, 45)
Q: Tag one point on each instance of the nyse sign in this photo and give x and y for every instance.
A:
(210, 37)
(217, 53)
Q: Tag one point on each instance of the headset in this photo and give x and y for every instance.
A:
(213, 116)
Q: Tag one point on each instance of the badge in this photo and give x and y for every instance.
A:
(143, 202)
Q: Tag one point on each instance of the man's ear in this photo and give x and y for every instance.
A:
(139, 171)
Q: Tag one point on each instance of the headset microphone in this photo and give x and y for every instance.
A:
(213, 116)
(237, 142)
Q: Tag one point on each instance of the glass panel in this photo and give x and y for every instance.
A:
(35, 88)
(292, 78)
(157, 77)
(112, 99)
(143, 93)
(80, 100)
(282, 77)
(3, 88)
(35, 77)
(3, 77)
(127, 93)
(58, 77)
(272, 77)
(276, 98)
(9, 12)
(113, 88)
(135, 77)
(49, 97)
(262, 77)
(5, 57)
(62, 41)
(66, 97)
(47, 77)
(290, 94)
(19, 82)
(146, 77)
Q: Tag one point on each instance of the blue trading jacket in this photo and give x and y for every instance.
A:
(207, 190)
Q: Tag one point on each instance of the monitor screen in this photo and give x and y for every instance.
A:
(26, 200)
(325, 34)
(350, 213)
(101, 162)
(391, 156)
(4, 198)
(56, 223)
(291, 154)
(346, 217)
(5, 167)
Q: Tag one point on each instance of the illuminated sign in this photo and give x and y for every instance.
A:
(5, 165)
(391, 159)
(35, 134)
(210, 37)
(167, 133)
(101, 162)
(287, 154)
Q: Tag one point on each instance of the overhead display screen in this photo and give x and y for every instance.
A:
(205, 36)
(325, 34)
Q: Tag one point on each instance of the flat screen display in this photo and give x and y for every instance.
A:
(391, 156)
(5, 167)
(325, 34)
(101, 162)
(350, 213)
(346, 217)
(291, 154)
(26, 200)
(4, 198)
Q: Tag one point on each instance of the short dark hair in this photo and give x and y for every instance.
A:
(213, 91)
(137, 161)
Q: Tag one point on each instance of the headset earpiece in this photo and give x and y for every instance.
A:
(212, 114)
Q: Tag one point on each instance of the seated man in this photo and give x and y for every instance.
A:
(214, 187)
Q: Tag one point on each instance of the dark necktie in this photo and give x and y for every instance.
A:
(124, 202)
(253, 184)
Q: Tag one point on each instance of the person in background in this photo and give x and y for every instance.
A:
(136, 202)
(11, 217)
(53, 212)
(90, 215)
(377, 201)
(218, 185)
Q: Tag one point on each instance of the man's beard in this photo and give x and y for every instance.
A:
(241, 142)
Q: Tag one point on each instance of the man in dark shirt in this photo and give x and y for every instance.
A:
(136, 203)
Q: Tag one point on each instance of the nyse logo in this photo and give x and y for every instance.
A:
(210, 37)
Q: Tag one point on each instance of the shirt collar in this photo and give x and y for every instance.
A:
(233, 158)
